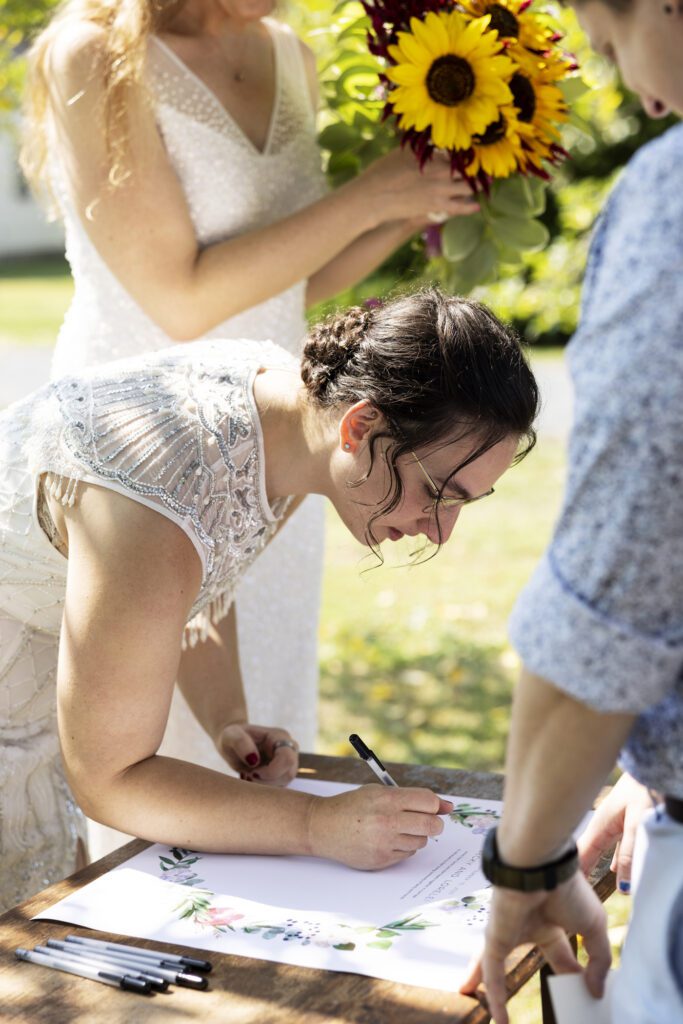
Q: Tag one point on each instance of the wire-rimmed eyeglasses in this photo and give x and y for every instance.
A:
(442, 501)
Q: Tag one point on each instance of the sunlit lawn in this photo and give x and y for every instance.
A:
(416, 655)
(414, 658)
(33, 298)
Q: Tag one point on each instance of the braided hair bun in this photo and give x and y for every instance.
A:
(329, 348)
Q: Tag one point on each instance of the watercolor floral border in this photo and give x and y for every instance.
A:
(205, 910)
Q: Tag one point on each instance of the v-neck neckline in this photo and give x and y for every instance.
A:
(225, 113)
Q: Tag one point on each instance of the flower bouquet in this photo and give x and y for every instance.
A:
(484, 82)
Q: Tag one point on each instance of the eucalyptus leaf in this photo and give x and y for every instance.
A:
(343, 163)
(474, 270)
(363, 118)
(582, 126)
(461, 235)
(572, 88)
(339, 137)
(539, 192)
(521, 233)
(518, 197)
(507, 255)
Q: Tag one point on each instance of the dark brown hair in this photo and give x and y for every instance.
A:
(439, 368)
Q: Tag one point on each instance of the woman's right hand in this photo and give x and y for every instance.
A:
(375, 826)
(395, 188)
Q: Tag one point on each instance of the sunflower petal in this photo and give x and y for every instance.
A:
(405, 74)
(413, 50)
(436, 26)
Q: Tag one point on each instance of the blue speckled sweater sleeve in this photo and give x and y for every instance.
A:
(602, 617)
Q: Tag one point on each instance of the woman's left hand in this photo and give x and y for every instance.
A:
(260, 753)
(616, 821)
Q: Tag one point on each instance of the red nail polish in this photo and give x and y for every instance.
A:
(251, 759)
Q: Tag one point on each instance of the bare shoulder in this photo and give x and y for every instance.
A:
(78, 54)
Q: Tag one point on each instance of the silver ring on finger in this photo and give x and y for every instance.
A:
(438, 217)
(286, 743)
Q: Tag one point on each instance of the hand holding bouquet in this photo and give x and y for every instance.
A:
(478, 81)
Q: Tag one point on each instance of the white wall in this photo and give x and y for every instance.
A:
(24, 228)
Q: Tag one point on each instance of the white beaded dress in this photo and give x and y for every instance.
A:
(177, 431)
(230, 188)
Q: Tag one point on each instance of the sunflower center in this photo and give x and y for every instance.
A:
(450, 80)
(503, 20)
(494, 133)
(523, 96)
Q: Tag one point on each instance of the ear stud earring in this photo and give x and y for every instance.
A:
(347, 446)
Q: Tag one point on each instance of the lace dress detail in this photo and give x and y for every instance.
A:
(230, 188)
(177, 431)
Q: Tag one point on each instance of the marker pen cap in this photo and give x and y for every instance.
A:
(130, 984)
(196, 965)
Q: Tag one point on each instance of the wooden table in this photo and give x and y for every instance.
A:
(244, 991)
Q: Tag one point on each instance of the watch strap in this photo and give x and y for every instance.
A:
(534, 879)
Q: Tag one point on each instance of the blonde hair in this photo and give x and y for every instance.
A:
(127, 25)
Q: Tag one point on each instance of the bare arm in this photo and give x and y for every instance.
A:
(143, 230)
(210, 675)
(370, 249)
(133, 576)
(559, 753)
(211, 681)
(364, 255)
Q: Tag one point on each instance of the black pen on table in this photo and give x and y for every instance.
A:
(371, 760)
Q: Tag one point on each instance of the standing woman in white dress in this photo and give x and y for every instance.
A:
(178, 141)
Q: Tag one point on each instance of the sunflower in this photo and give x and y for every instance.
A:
(499, 151)
(449, 76)
(512, 20)
(539, 102)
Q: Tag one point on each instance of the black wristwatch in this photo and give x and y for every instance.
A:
(543, 876)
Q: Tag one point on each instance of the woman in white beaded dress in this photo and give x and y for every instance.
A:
(132, 499)
(184, 163)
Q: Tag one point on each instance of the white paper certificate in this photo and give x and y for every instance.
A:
(418, 922)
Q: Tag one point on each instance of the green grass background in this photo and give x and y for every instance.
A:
(413, 657)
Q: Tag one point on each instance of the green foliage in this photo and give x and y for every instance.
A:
(533, 269)
(353, 134)
(533, 284)
(19, 20)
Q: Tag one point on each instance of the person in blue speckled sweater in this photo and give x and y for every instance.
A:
(600, 625)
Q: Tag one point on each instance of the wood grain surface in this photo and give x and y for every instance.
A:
(244, 991)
